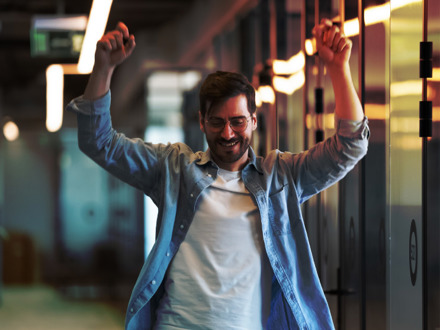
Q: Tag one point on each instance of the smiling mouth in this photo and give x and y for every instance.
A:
(228, 144)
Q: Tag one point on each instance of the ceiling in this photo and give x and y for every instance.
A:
(22, 77)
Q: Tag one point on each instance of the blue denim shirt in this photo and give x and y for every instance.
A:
(174, 177)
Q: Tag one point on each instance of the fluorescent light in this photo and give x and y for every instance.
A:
(372, 15)
(310, 46)
(294, 64)
(404, 88)
(267, 94)
(258, 101)
(54, 97)
(11, 131)
(95, 29)
(377, 14)
(70, 68)
(289, 85)
(55, 72)
(351, 27)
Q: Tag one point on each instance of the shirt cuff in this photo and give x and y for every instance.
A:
(88, 107)
(352, 128)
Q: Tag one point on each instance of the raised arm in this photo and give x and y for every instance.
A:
(113, 49)
(335, 49)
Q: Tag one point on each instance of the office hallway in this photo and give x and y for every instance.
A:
(42, 307)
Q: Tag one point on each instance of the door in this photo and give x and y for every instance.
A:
(404, 158)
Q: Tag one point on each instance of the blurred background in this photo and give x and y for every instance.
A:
(73, 238)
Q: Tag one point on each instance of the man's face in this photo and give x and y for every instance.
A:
(228, 146)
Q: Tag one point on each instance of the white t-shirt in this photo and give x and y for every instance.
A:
(220, 277)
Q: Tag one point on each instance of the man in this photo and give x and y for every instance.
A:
(231, 249)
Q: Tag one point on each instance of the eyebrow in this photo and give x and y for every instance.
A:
(235, 117)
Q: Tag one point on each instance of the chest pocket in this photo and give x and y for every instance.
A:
(279, 211)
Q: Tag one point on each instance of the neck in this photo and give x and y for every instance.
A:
(233, 166)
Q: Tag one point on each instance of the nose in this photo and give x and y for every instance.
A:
(227, 133)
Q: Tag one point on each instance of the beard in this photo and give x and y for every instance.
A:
(228, 151)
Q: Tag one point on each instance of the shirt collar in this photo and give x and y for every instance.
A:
(205, 157)
(254, 161)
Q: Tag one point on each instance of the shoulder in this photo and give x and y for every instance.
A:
(277, 156)
(277, 161)
(182, 152)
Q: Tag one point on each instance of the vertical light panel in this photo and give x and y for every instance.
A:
(95, 29)
(54, 97)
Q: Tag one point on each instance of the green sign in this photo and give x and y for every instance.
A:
(49, 43)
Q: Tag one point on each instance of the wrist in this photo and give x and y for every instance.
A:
(338, 69)
(98, 84)
(103, 71)
(339, 73)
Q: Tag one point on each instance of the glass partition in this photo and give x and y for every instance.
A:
(433, 166)
(404, 151)
(376, 86)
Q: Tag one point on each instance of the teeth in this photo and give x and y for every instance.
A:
(230, 144)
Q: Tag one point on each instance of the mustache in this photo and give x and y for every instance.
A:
(221, 140)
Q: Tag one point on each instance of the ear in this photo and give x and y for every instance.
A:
(201, 122)
(254, 121)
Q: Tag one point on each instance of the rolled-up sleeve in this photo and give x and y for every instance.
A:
(94, 124)
(131, 160)
(80, 105)
(329, 161)
(352, 128)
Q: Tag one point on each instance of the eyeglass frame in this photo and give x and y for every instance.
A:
(217, 130)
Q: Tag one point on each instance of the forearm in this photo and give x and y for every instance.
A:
(98, 84)
(348, 105)
(113, 49)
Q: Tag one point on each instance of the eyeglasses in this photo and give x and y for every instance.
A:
(238, 124)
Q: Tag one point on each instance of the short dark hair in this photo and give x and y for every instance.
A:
(220, 86)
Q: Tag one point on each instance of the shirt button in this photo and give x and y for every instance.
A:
(131, 310)
(192, 195)
(182, 226)
(153, 282)
(168, 254)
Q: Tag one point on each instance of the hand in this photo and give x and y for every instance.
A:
(114, 48)
(333, 47)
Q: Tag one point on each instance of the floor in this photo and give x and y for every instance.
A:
(42, 307)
